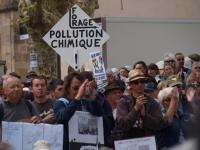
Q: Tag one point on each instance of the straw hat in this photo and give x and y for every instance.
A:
(135, 75)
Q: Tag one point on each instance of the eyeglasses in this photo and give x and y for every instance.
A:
(196, 67)
(138, 81)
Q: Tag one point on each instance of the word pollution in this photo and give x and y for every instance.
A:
(76, 38)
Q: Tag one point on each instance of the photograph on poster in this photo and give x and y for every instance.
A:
(85, 128)
(147, 143)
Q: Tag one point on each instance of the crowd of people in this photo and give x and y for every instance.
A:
(159, 99)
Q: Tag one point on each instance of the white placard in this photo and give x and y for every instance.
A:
(99, 71)
(22, 136)
(24, 37)
(98, 65)
(33, 60)
(147, 143)
(12, 134)
(76, 31)
(31, 133)
(54, 134)
(89, 148)
(85, 128)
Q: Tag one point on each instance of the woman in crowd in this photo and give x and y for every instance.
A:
(169, 59)
(194, 76)
(78, 95)
(123, 73)
(168, 71)
(141, 65)
(170, 133)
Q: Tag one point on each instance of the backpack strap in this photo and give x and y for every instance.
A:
(1, 111)
(30, 107)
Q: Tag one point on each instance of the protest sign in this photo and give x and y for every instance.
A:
(33, 60)
(22, 136)
(146, 143)
(85, 131)
(99, 70)
(75, 36)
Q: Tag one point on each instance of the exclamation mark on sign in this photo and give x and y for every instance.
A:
(76, 60)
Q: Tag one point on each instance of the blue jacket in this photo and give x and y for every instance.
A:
(65, 109)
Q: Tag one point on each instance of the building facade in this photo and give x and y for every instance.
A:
(12, 49)
(15, 52)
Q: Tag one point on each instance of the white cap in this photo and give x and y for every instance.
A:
(41, 145)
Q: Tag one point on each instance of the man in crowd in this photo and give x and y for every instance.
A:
(43, 105)
(138, 115)
(56, 88)
(113, 93)
(183, 72)
(14, 108)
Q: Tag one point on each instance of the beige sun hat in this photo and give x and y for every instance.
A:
(135, 75)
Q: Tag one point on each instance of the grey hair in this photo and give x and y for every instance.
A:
(6, 81)
(196, 63)
(165, 94)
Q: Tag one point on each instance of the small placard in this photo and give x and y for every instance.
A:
(147, 143)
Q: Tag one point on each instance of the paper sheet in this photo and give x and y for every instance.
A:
(53, 134)
(12, 134)
(22, 136)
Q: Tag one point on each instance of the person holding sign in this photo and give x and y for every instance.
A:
(78, 95)
(14, 108)
(138, 115)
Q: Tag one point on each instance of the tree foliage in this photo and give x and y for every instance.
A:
(39, 16)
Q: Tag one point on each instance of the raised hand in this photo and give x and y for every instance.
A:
(81, 90)
(140, 101)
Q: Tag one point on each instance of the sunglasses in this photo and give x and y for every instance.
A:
(196, 67)
(138, 81)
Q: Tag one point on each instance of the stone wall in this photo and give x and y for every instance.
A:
(12, 49)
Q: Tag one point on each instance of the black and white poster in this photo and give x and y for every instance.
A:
(85, 131)
(146, 143)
